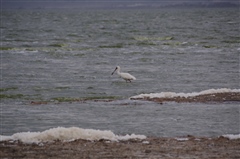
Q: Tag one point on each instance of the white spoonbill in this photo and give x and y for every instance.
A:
(126, 76)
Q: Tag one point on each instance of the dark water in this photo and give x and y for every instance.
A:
(62, 55)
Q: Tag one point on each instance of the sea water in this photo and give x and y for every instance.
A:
(61, 56)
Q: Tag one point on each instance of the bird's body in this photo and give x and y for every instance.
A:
(126, 76)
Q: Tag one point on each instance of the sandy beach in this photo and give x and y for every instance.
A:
(151, 147)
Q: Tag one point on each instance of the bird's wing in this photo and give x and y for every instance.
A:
(127, 76)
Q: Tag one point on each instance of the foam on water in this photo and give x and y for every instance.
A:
(68, 134)
(174, 94)
(232, 136)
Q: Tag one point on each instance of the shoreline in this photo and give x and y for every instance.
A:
(151, 147)
(198, 147)
(205, 98)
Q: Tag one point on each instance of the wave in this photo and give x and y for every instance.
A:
(67, 135)
(223, 94)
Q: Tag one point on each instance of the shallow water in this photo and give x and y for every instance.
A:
(126, 117)
(62, 54)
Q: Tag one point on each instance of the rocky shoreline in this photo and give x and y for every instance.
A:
(151, 147)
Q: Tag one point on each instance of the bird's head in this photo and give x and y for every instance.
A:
(117, 68)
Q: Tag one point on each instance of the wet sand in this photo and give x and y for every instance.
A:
(207, 98)
(164, 148)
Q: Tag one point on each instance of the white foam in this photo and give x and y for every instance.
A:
(232, 137)
(146, 142)
(182, 139)
(173, 94)
(68, 134)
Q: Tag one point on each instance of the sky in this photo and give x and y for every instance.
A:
(106, 3)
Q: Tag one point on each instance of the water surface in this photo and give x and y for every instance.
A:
(48, 55)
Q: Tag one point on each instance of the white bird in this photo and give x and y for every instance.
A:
(126, 76)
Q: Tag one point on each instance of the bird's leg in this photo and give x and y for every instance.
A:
(127, 80)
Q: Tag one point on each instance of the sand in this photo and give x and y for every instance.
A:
(152, 147)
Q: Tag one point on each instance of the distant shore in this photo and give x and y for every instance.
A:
(151, 147)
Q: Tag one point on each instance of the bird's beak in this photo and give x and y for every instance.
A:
(114, 71)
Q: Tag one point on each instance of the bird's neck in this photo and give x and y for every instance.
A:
(118, 72)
